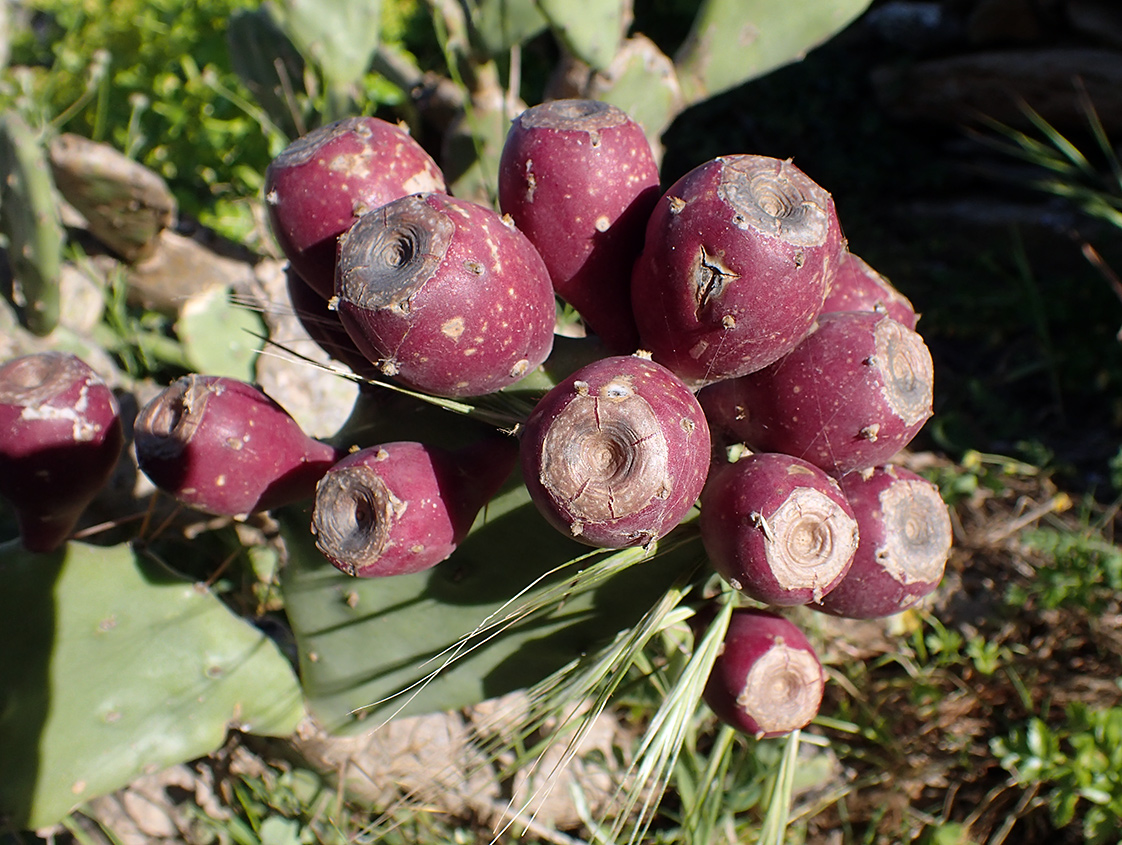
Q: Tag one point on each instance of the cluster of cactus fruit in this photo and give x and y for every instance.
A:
(741, 365)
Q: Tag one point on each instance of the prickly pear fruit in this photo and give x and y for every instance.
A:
(323, 181)
(580, 179)
(905, 541)
(737, 259)
(403, 506)
(445, 295)
(858, 287)
(850, 396)
(617, 453)
(767, 680)
(60, 439)
(777, 528)
(225, 447)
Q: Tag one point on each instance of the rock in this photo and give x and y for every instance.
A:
(994, 84)
(319, 401)
(125, 204)
(179, 267)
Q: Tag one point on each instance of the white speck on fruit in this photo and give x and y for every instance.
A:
(453, 328)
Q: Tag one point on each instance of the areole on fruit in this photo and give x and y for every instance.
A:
(783, 689)
(574, 114)
(907, 369)
(604, 460)
(617, 453)
(916, 543)
(166, 425)
(812, 541)
(399, 249)
(776, 198)
(352, 517)
(33, 379)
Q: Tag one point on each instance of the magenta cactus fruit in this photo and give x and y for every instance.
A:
(850, 396)
(767, 681)
(445, 295)
(404, 507)
(905, 541)
(777, 528)
(225, 447)
(617, 453)
(60, 440)
(323, 181)
(737, 259)
(580, 180)
(858, 287)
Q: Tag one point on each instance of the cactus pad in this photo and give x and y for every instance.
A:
(114, 666)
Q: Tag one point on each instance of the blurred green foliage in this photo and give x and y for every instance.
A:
(154, 79)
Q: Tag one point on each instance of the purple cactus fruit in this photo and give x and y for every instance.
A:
(323, 181)
(617, 453)
(445, 295)
(403, 507)
(767, 681)
(905, 541)
(225, 447)
(580, 180)
(737, 259)
(777, 528)
(850, 396)
(858, 287)
(60, 440)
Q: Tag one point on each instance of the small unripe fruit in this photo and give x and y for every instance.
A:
(767, 681)
(404, 507)
(850, 396)
(905, 541)
(60, 439)
(323, 181)
(777, 528)
(617, 453)
(445, 295)
(224, 447)
(580, 179)
(737, 258)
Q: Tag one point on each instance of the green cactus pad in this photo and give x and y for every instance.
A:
(220, 337)
(29, 217)
(364, 643)
(113, 666)
(734, 41)
(267, 61)
(338, 36)
(642, 81)
(590, 31)
(500, 24)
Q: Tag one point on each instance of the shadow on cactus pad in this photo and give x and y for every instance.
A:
(114, 666)
(517, 601)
